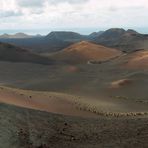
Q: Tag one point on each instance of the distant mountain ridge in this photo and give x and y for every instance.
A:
(125, 40)
(65, 35)
(95, 34)
(19, 35)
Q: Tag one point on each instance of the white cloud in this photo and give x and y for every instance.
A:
(73, 13)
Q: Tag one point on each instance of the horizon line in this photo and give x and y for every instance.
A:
(83, 31)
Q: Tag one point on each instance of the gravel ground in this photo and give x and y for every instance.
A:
(25, 128)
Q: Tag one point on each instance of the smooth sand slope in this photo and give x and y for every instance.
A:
(137, 60)
(46, 101)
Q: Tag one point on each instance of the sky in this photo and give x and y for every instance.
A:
(84, 16)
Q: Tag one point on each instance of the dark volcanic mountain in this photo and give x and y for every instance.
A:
(112, 34)
(13, 53)
(65, 36)
(127, 41)
(95, 35)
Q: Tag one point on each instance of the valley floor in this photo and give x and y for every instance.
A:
(67, 106)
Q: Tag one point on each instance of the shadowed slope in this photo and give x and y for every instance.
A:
(13, 53)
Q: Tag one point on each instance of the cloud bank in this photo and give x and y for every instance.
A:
(29, 14)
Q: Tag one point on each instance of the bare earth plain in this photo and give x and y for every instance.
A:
(91, 104)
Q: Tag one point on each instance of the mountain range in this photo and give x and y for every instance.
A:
(125, 40)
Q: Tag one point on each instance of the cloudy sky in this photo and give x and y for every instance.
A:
(76, 15)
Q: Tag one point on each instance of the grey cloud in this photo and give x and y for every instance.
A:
(37, 11)
(69, 1)
(30, 3)
(4, 14)
(113, 9)
(40, 3)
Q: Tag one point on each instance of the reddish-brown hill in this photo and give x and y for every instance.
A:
(84, 51)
